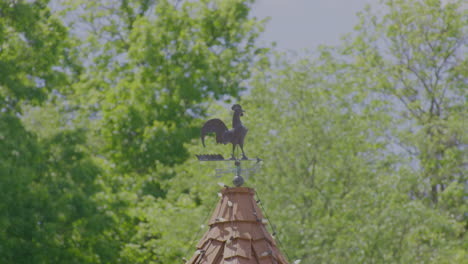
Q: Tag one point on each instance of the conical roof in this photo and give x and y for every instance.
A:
(238, 233)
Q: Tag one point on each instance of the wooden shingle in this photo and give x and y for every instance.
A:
(237, 233)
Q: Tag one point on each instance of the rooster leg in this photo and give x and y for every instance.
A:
(244, 157)
(233, 149)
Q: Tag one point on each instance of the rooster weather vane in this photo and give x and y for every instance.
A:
(235, 136)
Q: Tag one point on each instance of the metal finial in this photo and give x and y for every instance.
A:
(238, 181)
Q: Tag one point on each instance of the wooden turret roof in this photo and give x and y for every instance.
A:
(237, 233)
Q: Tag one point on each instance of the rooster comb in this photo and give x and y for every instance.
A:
(236, 107)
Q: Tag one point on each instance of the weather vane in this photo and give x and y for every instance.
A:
(235, 136)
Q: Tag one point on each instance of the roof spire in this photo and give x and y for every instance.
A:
(237, 233)
(237, 228)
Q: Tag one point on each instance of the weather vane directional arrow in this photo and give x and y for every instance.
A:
(235, 136)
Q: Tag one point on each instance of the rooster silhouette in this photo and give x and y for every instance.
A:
(235, 136)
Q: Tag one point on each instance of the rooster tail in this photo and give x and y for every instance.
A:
(213, 125)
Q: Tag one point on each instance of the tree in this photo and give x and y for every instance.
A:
(153, 66)
(363, 145)
(47, 181)
(31, 45)
(415, 57)
(368, 141)
(150, 70)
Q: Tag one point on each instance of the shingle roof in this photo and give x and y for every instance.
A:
(237, 233)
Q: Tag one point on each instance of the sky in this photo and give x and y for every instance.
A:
(296, 25)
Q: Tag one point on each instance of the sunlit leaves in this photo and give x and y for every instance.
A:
(31, 44)
(365, 143)
(153, 68)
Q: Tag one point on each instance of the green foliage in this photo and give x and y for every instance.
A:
(367, 141)
(155, 65)
(47, 198)
(48, 182)
(330, 169)
(101, 102)
(31, 45)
